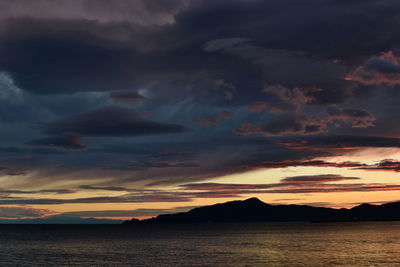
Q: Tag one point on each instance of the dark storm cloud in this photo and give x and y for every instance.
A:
(135, 11)
(146, 165)
(288, 99)
(15, 151)
(305, 25)
(58, 56)
(317, 179)
(357, 118)
(227, 88)
(214, 120)
(15, 173)
(288, 123)
(283, 70)
(63, 62)
(382, 65)
(339, 142)
(290, 24)
(294, 124)
(127, 96)
(44, 191)
(384, 165)
(108, 188)
(111, 122)
(258, 107)
(307, 163)
(384, 69)
(69, 141)
(298, 123)
(80, 62)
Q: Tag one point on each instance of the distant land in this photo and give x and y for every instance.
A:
(254, 210)
(60, 219)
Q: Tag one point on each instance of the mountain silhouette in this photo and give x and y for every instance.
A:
(254, 210)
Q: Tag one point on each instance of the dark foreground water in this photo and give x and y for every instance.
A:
(262, 244)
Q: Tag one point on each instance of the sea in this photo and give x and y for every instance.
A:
(246, 244)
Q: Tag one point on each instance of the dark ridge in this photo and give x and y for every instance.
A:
(254, 210)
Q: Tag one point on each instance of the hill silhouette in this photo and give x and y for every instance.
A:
(254, 210)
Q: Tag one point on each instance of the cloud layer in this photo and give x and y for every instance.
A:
(146, 95)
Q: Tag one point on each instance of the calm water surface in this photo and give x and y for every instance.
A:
(261, 244)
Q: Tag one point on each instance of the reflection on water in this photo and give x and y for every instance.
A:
(262, 244)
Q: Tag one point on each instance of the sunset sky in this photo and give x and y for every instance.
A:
(132, 108)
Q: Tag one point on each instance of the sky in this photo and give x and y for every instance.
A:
(133, 108)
